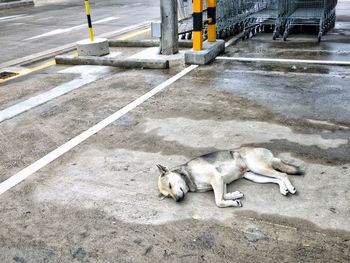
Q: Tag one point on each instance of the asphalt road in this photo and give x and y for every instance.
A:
(29, 30)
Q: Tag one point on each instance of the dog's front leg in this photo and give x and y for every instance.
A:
(219, 187)
(232, 195)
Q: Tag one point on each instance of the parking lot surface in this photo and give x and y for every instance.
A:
(99, 201)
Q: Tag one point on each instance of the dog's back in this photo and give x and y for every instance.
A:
(215, 157)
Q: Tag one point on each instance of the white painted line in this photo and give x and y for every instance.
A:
(131, 5)
(299, 61)
(126, 29)
(16, 24)
(65, 30)
(26, 172)
(15, 18)
(88, 75)
(44, 18)
(10, 18)
(136, 4)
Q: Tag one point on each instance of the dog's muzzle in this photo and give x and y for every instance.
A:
(181, 196)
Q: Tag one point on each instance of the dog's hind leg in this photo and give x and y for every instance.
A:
(270, 172)
(260, 161)
(279, 165)
(263, 180)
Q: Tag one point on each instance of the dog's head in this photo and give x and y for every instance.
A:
(171, 184)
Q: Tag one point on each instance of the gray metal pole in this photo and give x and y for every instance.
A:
(169, 32)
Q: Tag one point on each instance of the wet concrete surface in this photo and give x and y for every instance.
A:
(99, 202)
(334, 44)
(286, 94)
(326, 50)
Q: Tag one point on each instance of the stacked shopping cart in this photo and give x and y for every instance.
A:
(318, 13)
(264, 20)
(252, 16)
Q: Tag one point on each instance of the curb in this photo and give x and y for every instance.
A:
(144, 43)
(122, 63)
(210, 51)
(15, 4)
(234, 40)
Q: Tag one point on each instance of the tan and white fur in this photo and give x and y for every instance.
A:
(214, 171)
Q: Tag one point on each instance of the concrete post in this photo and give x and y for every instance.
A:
(169, 38)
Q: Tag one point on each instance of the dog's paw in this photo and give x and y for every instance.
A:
(292, 190)
(239, 203)
(233, 195)
(284, 191)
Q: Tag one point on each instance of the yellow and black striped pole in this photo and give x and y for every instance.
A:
(211, 7)
(87, 10)
(197, 34)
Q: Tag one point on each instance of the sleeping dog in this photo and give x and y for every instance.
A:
(213, 171)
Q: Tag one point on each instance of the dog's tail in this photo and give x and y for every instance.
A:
(279, 165)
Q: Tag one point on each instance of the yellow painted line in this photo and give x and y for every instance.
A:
(31, 70)
(42, 66)
(131, 35)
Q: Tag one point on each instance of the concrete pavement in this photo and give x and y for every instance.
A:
(99, 201)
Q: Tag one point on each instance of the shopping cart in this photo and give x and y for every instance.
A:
(232, 16)
(253, 16)
(263, 20)
(317, 13)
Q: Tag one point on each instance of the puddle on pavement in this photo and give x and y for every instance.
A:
(195, 133)
(291, 95)
(294, 68)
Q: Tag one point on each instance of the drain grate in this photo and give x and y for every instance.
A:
(6, 74)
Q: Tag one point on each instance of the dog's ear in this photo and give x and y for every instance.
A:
(161, 196)
(162, 169)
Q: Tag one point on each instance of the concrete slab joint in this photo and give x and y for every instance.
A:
(210, 51)
(98, 47)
